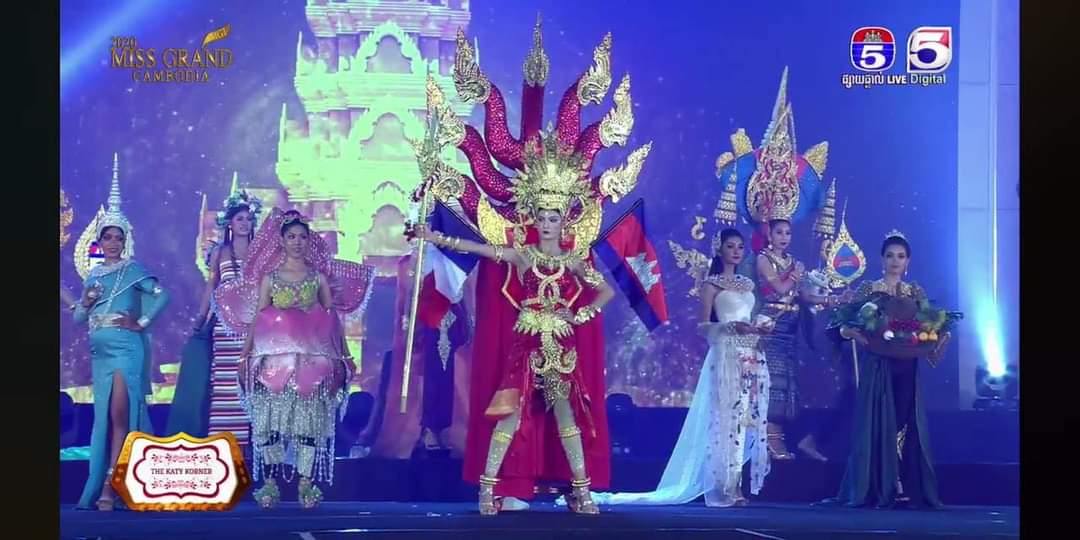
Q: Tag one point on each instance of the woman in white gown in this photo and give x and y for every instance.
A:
(725, 426)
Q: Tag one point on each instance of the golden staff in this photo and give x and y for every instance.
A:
(427, 159)
(425, 203)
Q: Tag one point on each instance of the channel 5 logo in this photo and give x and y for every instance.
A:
(929, 49)
(873, 48)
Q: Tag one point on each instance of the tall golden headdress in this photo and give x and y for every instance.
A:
(765, 183)
(552, 166)
(553, 177)
(773, 190)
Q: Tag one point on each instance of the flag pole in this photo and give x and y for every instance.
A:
(410, 336)
(427, 158)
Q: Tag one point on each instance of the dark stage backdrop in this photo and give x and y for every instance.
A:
(700, 70)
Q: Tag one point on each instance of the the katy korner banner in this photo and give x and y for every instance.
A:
(180, 473)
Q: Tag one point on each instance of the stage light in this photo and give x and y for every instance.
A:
(991, 344)
(997, 391)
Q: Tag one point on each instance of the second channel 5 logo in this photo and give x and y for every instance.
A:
(929, 49)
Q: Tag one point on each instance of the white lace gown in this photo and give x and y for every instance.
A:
(725, 427)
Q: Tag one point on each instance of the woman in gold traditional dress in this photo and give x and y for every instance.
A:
(780, 278)
(544, 358)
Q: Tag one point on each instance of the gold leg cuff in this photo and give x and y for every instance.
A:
(569, 432)
(583, 483)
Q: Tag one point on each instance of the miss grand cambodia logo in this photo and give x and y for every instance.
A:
(173, 64)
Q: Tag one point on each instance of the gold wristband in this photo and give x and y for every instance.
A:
(498, 253)
(593, 276)
(586, 313)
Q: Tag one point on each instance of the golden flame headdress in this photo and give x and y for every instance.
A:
(552, 167)
(553, 177)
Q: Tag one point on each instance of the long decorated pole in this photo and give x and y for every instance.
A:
(427, 158)
(425, 204)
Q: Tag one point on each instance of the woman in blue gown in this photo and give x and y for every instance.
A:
(120, 299)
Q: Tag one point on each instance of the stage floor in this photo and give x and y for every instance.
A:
(341, 520)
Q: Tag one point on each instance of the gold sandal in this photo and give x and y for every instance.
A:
(580, 500)
(777, 449)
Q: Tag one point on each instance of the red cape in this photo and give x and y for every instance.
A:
(536, 454)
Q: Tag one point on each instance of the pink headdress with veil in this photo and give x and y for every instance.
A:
(238, 300)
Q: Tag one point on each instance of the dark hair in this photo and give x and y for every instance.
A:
(289, 224)
(717, 266)
(229, 215)
(895, 241)
(101, 234)
(774, 222)
(231, 212)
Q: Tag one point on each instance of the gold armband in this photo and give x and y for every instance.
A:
(592, 276)
(586, 314)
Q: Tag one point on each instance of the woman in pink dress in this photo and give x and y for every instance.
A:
(296, 366)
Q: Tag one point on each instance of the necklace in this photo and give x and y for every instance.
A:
(780, 263)
(734, 282)
(550, 262)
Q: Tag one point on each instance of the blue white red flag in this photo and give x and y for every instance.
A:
(630, 256)
(445, 270)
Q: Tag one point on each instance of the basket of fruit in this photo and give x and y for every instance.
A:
(900, 327)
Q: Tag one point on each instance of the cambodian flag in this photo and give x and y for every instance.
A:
(445, 270)
(629, 255)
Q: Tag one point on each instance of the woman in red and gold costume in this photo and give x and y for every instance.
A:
(546, 284)
(537, 376)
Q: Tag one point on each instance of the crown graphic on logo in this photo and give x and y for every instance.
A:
(873, 36)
